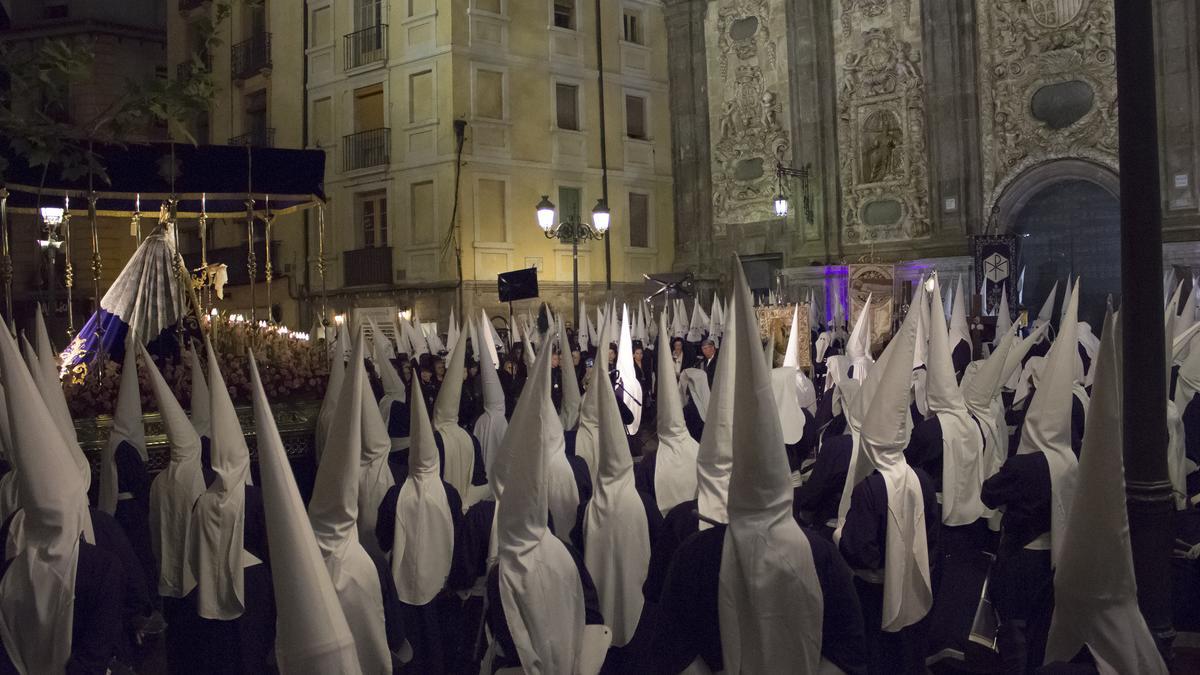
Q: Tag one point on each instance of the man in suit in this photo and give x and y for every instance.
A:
(708, 359)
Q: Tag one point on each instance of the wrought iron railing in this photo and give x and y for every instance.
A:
(366, 149)
(259, 138)
(249, 57)
(365, 46)
(367, 266)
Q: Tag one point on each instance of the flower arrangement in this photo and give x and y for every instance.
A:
(292, 368)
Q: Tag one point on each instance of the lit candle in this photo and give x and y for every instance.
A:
(137, 203)
(203, 202)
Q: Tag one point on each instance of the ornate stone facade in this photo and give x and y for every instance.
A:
(1048, 83)
(748, 107)
(884, 166)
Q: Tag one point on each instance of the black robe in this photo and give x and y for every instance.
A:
(133, 505)
(816, 501)
(690, 622)
(864, 545)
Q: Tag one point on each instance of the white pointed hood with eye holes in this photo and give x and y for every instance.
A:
(1003, 316)
(962, 442)
(907, 593)
(487, 333)
(587, 434)
(173, 491)
(452, 331)
(698, 325)
(375, 475)
(1095, 592)
(981, 392)
(333, 514)
(571, 398)
(806, 392)
(714, 458)
(201, 409)
(37, 591)
(540, 588)
(632, 387)
(423, 543)
(1047, 427)
(459, 448)
(769, 598)
(219, 517)
(561, 487)
(615, 531)
(381, 356)
(959, 330)
(492, 424)
(126, 428)
(858, 346)
(333, 392)
(311, 631)
(675, 461)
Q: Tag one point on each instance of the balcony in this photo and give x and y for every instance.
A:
(366, 46)
(259, 138)
(366, 149)
(250, 57)
(367, 267)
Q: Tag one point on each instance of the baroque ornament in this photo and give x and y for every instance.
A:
(884, 169)
(1038, 46)
(747, 100)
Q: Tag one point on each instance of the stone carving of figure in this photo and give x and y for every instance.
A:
(770, 114)
(881, 143)
(729, 120)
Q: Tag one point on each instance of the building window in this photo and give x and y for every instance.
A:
(566, 105)
(635, 116)
(492, 6)
(321, 28)
(564, 14)
(569, 199)
(368, 13)
(489, 94)
(420, 97)
(420, 7)
(368, 108)
(492, 210)
(639, 220)
(631, 21)
(256, 117)
(371, 210)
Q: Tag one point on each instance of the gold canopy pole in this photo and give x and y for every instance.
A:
(69, 270)
(251, 263)
(321, 262)
(206, 295)
(268, 221)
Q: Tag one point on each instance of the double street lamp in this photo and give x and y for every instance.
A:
(572, 232)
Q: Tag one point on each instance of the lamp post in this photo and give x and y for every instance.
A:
(573, 232)
(782, 207)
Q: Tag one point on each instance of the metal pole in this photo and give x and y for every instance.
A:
(268, 220)
(603, 142)
(575, 271)
(69, 271)
(97, 268)
(6, 268)
(1147, 482)
(321, 260)
(251, 263)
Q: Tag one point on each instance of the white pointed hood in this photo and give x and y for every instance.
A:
(333, 392)
(675, 461)
(959, 330)
(632, 386)
(46, 376)
(698, 325)
(37, 591)
(679, 322)
(907, 593)
(311, 632)
(393, 387)
(491, 426)
(949, 304)
(769, 350)
(806, 392)
(571, 398)
(487, 333)
(587, 434)
(201, 408)
(858, 346)
(333, 514)
(375, 475)
(1047, 427)
(432, 338)
(581, 331)
(219, 517)
(769, 599)
(981, 391)
(1046, 313)
(1016, 357)
(1095, 593)
(716, 318)
(714, 458)
(126, 427)
(615, 531)
(540, 588)
(459, 449)
(1003, 316)
(424, 536)
(962, 443)
(173, 491)
(452, 331)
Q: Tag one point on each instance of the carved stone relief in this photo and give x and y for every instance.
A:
(1047, 79)
(884, 169)
(748, 107)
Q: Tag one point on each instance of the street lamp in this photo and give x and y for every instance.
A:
(52, 218)
(572, 232)
(782, 206)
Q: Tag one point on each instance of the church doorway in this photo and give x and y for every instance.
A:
(1067, 219)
